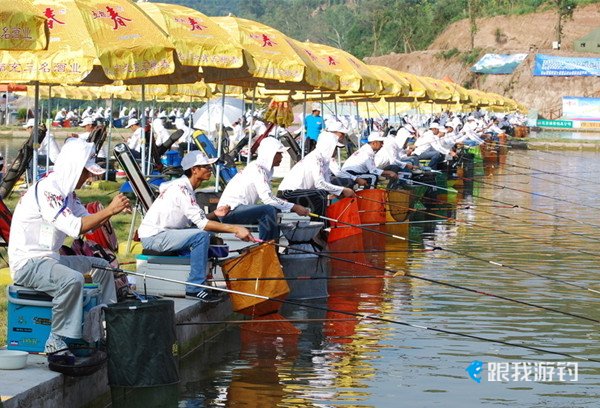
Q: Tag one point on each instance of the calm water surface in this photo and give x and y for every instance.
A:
(364, 363)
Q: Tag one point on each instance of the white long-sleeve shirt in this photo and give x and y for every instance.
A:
(175, 208)
(362, 161)
(250, 185)
(49, 210)
(135, 140)
(390, 154)
(313, 172)
(31, 224)
(424, 142)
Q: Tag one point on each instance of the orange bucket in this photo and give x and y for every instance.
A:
(346, 211)
(371, 207)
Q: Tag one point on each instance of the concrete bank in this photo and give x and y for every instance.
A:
(37, 386)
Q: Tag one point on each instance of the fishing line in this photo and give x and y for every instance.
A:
(436, 247)
(551, 243)
(514, 205)
(470, 223)
(354, 314)
(502, 187)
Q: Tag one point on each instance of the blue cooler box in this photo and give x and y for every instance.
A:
(30, 316)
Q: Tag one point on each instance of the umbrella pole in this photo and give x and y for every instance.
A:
(49, 127)
(360, 124)
(190, 121)
(251, 125)
(220, 141)
(6, 113)
(303, 124)
(131, 228)
(143, 117)
(110, 128)
(152, 138)
(36, 126)
(339, 152)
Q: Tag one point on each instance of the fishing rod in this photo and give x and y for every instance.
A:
(463, 254)
(354, 314)
(298, 278)
(554, 182)
(397, 273)
(562, 200)
(514, 205)
(266, 321)
(439, 216)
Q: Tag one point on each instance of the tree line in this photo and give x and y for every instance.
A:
(375, 27)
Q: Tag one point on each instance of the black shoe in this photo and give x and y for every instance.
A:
(205, 296)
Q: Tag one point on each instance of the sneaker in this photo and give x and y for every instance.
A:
(54, 344)
(205, 296)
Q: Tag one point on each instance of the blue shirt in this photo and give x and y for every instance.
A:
(314, 125)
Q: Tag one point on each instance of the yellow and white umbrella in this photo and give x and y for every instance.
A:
(22, 26)
(278, 62)
(355, 75)
(199, 40)
(92, 42)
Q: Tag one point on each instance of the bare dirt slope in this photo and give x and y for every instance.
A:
(529, 33)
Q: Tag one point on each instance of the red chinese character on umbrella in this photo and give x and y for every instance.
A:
(331, 61)
(196, 25)
(267, 42)
(311, 55)
(119, 20)
(49, 14)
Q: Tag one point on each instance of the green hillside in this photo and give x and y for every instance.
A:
(372, 27)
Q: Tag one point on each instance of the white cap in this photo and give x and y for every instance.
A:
(30, 123)
(435, 125)
(376, 137)
(195, 158)
(87, 121)
(316, 107)
(162, 115)
(271, 144)
(335, 126)
(93, 167)
(131, 122)
(470, 118)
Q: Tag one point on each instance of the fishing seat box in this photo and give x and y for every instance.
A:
(169, 267)
(30, 316)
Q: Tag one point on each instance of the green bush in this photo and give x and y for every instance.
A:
(447, 54)
(470, 57)
(21, 113)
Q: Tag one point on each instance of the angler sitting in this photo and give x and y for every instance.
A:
(175, 222)
(44, 216)
(309, 182)
(428, 146)
(362, 162)
(392, 156)
(254, 183)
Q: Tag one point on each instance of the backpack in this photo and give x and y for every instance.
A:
(105, 234)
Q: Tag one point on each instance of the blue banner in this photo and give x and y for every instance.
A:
(498, 63)
(550, 65)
